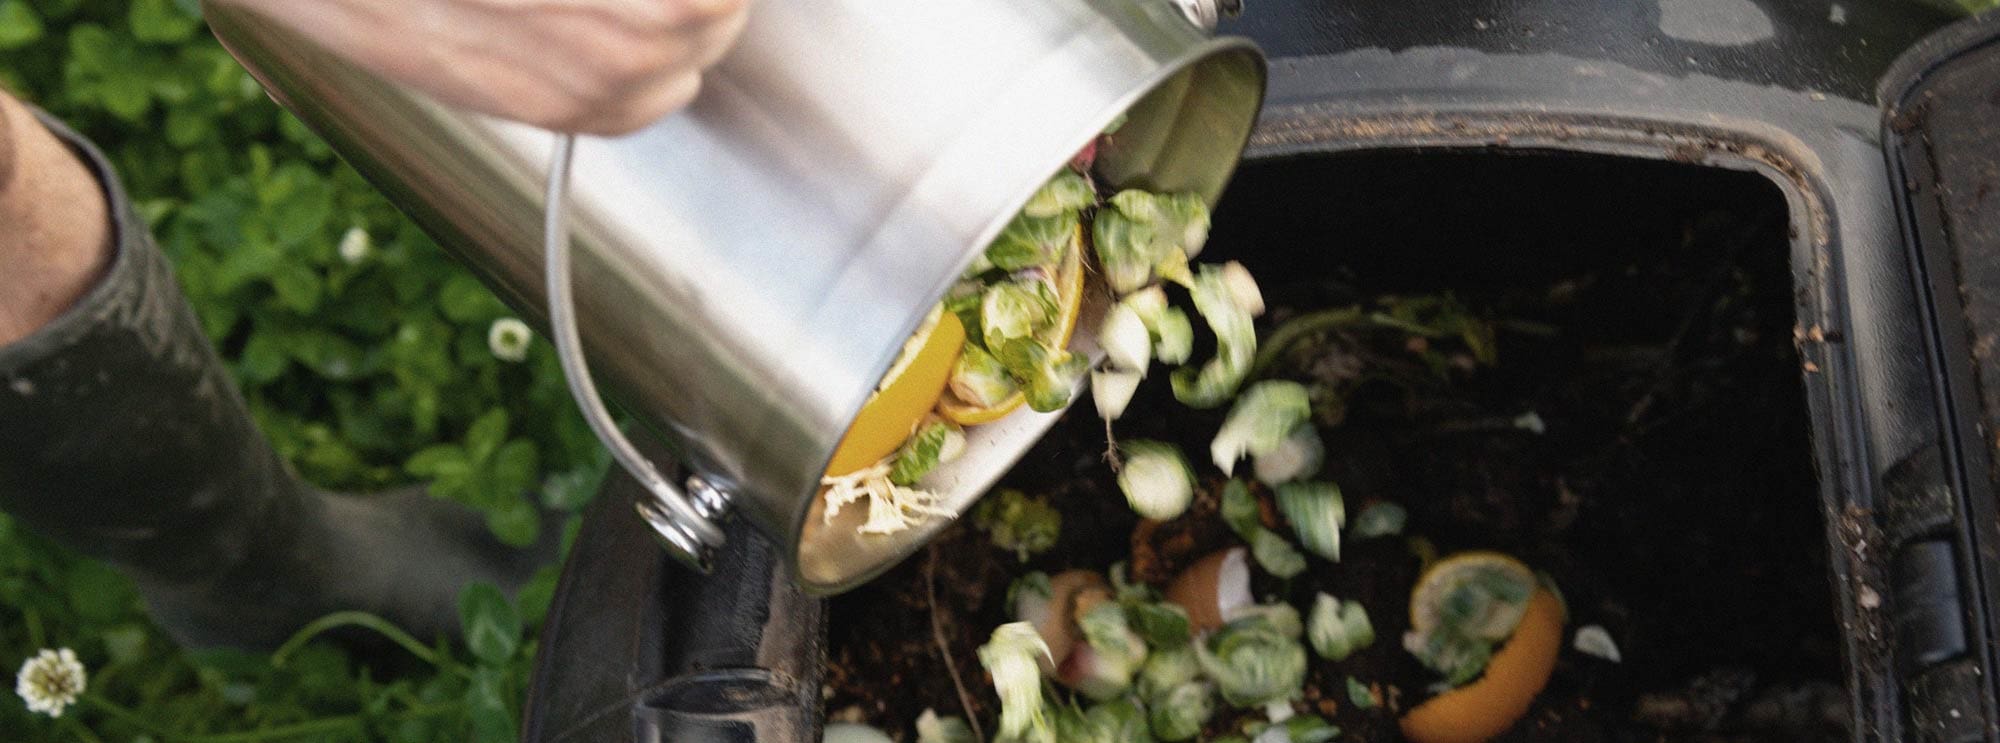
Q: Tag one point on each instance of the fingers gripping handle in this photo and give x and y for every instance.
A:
(684, 521)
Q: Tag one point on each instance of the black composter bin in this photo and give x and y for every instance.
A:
(1857, 146)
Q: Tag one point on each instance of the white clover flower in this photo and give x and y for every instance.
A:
(51, 681)
(355, 245)
(508, 339)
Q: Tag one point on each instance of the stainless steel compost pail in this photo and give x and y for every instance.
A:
(746, 270)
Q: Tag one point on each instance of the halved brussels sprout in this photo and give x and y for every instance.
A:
(1260, 421)
(1046, 377)
(1317, 513)
(935, 442)
(1156, 479)
(1013, 658)
(1253, 663)
(980, 379)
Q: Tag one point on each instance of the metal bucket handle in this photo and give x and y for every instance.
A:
(684, 519)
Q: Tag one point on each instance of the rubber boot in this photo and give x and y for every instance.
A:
(122, 436)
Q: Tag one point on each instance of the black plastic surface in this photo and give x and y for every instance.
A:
(1929, 611)
(1942, 140)
(1671, 79)
(639, 648)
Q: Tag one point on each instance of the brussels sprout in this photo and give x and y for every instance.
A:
(1046, 377)
(1190, 213)
(1168, 668)
(1105, 665)
(980, 379)
(1175, 336)
(1359, 695)
(1277, 556)
(1272, 552)
(1260, 421)
(1459, 659)
(1317, 513)
(1235, 344)
(1168, 327)
(851, 732)
(1138, 205)
(1028, 596)
(1016, 308)
(934, 443)
(1127, 344)
(1124, 250)
(1177, 229)
(1149, 303)
(1300, 456)
(1179, 714)
(1066, 193)
(963, 300)
(1243, 288)
(1156, 479)
(949, 729)
(1336, 629)
(980, 264)
(1281, 616)
(1253, 663)
(1486, 604)
(1163, 625)
(1382, 519)
(1118, 721)
(1112, 390)
(1239, 509)
(1031, 241)
(1126, 591)
(1073, 726)
(1181, 221)
(1012, 658)
(1477, 612)
(1174, 267)
(1017, 523)
(1309, 729)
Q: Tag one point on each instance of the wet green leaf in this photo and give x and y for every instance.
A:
(492, 628)
(19, 24)
(161, 21)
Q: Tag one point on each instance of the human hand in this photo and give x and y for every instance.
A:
(587, 66)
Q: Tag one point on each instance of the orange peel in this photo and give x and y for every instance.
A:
(907, 394)
(1518, 670)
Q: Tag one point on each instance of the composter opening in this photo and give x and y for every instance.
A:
(1181, 135)
(1584, 363)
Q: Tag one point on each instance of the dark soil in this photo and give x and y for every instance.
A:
(1644, 316)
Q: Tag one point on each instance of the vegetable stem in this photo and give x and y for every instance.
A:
(354, 619)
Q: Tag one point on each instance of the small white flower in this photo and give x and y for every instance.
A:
(50, 682)
(508, 339)
(355, 246)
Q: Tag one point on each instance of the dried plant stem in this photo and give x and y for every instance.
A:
(944, 648)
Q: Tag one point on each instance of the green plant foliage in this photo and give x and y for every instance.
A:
(363, 352)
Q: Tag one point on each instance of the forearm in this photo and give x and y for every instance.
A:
(54, 224)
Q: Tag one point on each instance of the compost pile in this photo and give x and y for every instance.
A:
(1603, 466)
